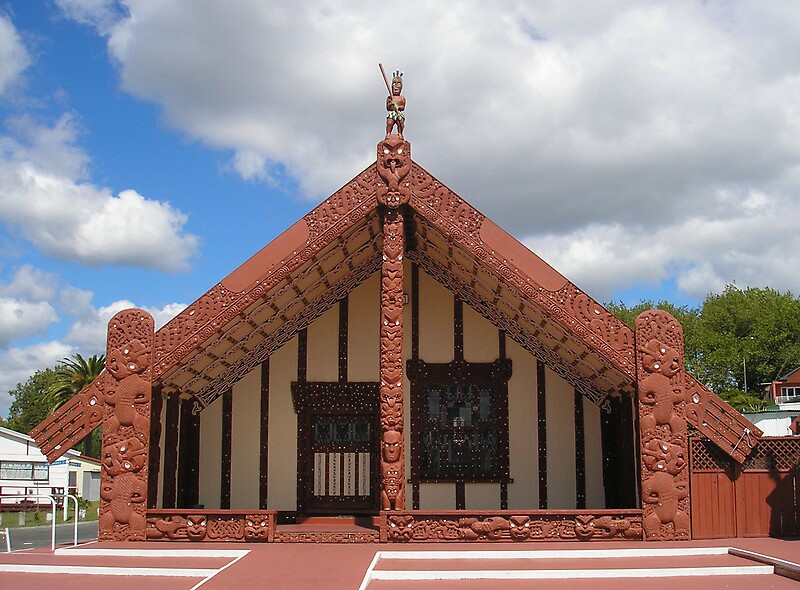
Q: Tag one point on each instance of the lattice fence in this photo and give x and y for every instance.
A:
(775, 453)
(770, 454)
(706, 456)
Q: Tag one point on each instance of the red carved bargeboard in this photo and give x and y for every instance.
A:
(459, 526)
(239, 526)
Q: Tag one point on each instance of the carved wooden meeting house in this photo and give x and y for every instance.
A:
(396, 354)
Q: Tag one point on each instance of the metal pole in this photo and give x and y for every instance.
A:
(75, 525)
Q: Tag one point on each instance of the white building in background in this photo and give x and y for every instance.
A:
(25, 470)
(782, 420)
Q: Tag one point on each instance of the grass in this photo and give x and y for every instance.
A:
(39, 517)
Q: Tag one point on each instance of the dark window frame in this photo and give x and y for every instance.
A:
(425, 377)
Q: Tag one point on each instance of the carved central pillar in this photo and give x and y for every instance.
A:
(393, 192)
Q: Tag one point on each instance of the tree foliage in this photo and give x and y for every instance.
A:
(71, 376)
(736, 341)
(30, 405)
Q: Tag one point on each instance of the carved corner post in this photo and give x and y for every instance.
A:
(393, 193)
(663, 434)
(127, 395)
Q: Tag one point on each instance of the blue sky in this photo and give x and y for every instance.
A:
(646, 149)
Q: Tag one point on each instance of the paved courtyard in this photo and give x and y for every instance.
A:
(216, 566)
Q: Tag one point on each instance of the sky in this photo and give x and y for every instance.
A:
(645, 149)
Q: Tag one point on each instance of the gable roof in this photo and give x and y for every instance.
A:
(290, 282)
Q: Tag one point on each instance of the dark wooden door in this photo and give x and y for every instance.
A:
(341, 462)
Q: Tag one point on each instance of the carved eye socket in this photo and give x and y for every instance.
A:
(385, 150)
(399, 150)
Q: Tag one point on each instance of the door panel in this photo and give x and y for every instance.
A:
(341, 463)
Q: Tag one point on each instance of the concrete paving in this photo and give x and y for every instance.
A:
(555, 566)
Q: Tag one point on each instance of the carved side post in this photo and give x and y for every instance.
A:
(127, 395)
(662, 427)
(394, 164)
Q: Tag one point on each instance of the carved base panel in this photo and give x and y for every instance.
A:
(239, 526)
(326, 537)
(510, 526)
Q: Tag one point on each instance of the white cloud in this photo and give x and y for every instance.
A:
(89, 331)
(32, 284)
(14, 57)
(751, 245)
(21, 319)
(44, 194)
(609, 134)
(33, 312)
(100, 14)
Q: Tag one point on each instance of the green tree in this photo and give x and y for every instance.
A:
(736, 341)
(748, 338)
(30, 405)
(71, 376)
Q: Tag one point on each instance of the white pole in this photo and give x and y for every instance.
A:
(52, 502)
(75, 525)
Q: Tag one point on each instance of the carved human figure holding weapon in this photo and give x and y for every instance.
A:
(395, 103)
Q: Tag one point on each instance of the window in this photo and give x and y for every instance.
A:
(460, 431)
(459, 421)
(24, 470)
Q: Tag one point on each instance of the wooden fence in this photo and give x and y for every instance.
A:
(757, 499)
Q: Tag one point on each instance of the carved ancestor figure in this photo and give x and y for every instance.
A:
(656, 390)
(662, 425)
(392, 494)
(391, 357)
(395, 105)
(665, 493)
(125, 397)
(128, 388)
(394, 164)
(122, 494)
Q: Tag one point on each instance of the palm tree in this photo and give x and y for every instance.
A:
(71, 376)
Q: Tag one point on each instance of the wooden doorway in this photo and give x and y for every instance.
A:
(338, 444)
(340, 463)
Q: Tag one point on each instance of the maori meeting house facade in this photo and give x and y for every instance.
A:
(396, 355)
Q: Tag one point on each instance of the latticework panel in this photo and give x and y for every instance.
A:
(775, 453)
(707, 456)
